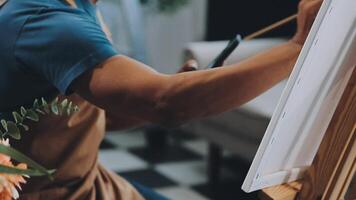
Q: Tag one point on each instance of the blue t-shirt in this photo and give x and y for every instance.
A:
(44, 46)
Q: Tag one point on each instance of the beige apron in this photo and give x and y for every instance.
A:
(70, 145)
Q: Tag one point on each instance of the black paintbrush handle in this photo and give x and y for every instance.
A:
(231, 46)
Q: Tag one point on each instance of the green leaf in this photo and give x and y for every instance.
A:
(29, 172)
(24, 126)
(45, 105)
(36, 104)
(23, 111)
(18, 118)
(64, 103)
(76, 109)
(18, 156)
(32, 115)
(40, 111)
(63, 106)
(54, 107)
(4, 124)
(13, 130)
(69, 108)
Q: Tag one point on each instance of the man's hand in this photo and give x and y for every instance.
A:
(190, 65)
(308, 9)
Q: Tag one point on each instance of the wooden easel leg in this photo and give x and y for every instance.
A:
(333, 153)
(334, 165)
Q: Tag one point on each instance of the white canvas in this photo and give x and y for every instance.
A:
(309, 100)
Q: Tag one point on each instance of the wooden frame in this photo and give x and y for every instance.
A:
(334, 165)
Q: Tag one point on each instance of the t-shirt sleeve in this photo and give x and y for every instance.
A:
(61, 45)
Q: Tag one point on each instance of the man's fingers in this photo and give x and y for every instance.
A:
(308, 10)
(190, 65)
(312, 9)
(313, 6)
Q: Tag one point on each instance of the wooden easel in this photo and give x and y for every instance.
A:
(333, 168)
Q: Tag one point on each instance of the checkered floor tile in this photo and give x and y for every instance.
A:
(176, 170)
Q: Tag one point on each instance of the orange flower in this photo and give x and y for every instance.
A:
(9, 182)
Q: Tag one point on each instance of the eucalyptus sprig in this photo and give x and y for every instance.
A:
(56, 107)
(13, 129)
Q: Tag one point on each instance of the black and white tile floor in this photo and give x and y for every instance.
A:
(178, 171)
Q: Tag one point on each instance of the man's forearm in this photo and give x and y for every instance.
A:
(198, 94)
(116, 123)
(130, 89)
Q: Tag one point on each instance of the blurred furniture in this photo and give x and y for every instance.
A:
(240, 130)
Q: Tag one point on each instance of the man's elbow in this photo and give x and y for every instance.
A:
(167, 98)
(174, 109)
(168, 111)
(167, 115)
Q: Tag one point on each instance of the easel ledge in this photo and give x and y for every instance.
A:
(287, 191)
(330, 175)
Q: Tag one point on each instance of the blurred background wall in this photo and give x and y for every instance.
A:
(167, 33)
